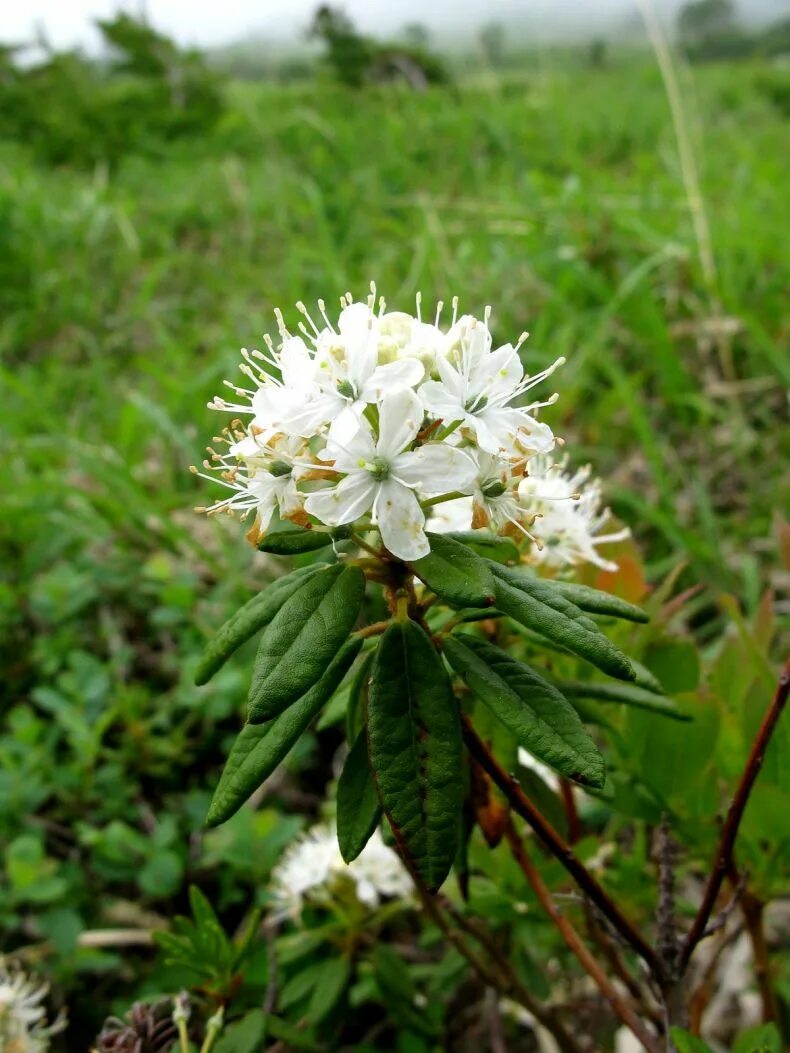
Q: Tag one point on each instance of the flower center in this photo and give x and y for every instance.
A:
(493, 488)
(346, 389)
(379, 469)
(473, 405)
(279, 468)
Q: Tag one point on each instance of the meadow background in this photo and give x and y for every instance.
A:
(138, 252)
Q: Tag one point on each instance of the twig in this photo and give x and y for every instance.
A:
(622, 1009)
(666, 923)
(610, 950)
(724, 853)
(507, 983)
(701, 996)
(753, 911)
(571, 811)
(558, 847)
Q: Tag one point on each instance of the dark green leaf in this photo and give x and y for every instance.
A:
(330, 984)
(764, 1038)
(536, 605)
(358, 697)
(292, 1035)
(293, 542)
(500, 549)
(597, 602)
(302, 638)
(685, 1042)
(415, 749)
(358, 808)
(254, 615)
(456, 573)
(543, 722)
(259, 748)
(247, 1035)
(627, 694)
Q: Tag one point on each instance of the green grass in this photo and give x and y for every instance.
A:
(124, 296)
(556, 198)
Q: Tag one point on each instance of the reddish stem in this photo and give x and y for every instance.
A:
(559, 848)
(724, 853)
(575, 944)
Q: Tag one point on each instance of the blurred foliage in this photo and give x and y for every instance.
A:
(146, 93)
(356, 60)
(147, 227)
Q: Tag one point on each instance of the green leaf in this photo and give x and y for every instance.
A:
(597, 602)
(627, 694)
(259, 748)
(358, 697)
(302, 638)
(536, 605)
(541, 719)
(358, 808)
(456, 573)
(247, 1035)
(764, 1038)
(685, 1042)
(499, 549)
(330, 985)
(414, 735)
(254, 615)
(294, 542)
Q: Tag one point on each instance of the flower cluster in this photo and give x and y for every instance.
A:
(313, 867)
(386, 421)
(565, 510)
(23, 1023)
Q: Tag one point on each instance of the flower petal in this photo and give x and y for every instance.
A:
(441, 402)
(436, 469)
(359, 328)
(400, 418)
(404, 373)
(344, 503)
(401, 521)
(296, 363)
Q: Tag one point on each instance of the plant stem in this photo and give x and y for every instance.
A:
(506, 982)
(574, 942)
(558, 847)
(753, 910)
(724, 853)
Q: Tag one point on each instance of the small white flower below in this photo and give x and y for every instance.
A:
(23, 1022)
(313, 869)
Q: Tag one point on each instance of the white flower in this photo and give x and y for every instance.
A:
(382, 475)
(403, 336)
(23, 1024)
(550, 777)
(569, 506)
(451, 516)
(262, 476)
(476, 387)
(375, 420)
(312, 868)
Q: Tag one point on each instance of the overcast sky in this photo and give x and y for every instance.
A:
(67, 22)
